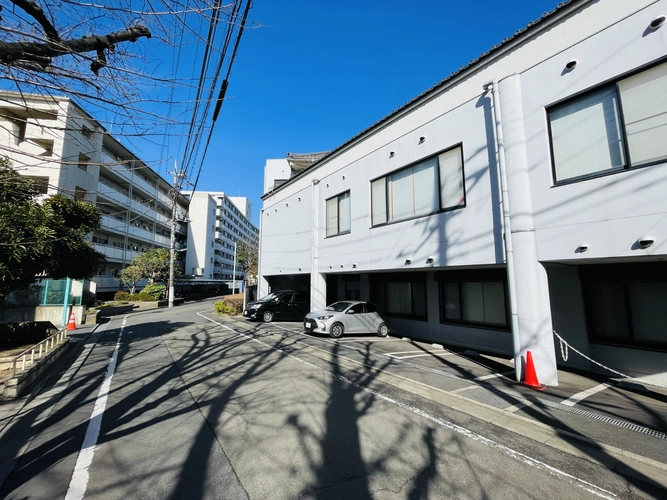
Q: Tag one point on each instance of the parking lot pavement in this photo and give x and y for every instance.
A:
(584, 404)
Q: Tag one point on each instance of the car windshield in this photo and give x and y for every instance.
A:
(338, 306)
(272, 297)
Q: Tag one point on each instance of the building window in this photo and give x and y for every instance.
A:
(79, 194)
(338, 214)
(400, 296)
(86, 132)
(625, 304)
(83, 162)
(428, 187)
(613, 128)
(474, 298)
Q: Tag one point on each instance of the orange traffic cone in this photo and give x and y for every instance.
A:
(530, 377)
(71, 324)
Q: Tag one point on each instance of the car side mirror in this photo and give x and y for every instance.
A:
(350, 312)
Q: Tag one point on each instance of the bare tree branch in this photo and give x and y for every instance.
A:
(43, 53)
(36, 12)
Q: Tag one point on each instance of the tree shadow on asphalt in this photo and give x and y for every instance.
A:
(545, 415)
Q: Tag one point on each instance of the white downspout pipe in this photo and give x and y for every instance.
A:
(507, 223)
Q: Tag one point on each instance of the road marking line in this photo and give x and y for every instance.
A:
(430, 353)
(79, 483)
(369, 340)
(584, 394)
(517, 455)
(493, 375)
(518, 406)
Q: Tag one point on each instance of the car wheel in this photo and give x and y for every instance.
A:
(383, 331)
(267, 316)
(336, 331)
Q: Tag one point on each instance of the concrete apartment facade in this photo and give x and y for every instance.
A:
(523, 194)
(57, 143)
(217, 222)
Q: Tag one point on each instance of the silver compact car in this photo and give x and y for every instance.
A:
(348, 316)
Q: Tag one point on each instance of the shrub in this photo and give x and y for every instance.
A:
(154, 290)
(142, 297)
(236, 303)
(222, 307)
(122, 295)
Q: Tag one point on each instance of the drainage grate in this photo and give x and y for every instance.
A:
(595, 416)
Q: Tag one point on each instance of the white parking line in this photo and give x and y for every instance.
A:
(584, 394)
(494, 375)
(369, 340)
(79, 483)
(439, 352)
(510, 452)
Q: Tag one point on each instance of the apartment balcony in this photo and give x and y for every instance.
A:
(106, 283)
(111, 193)
(111, 223)
(113, 166)
(117, 253)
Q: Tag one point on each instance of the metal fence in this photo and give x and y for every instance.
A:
(28, 357)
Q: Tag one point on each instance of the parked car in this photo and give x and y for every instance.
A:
(283, 305)
(349, 316)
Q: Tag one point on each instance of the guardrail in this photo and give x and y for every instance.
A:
(49, 342)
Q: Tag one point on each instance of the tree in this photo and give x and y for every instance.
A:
(46, 239)
(247, 257)
(130, 276)
(153, 264)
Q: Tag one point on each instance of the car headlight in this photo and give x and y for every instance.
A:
(326, 316)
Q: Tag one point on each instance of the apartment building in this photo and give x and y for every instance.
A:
(57, 143)
(523, 194)
(217, 222)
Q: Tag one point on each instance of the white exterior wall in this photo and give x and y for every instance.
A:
(609, 38)
(200, 259)
(275, 169)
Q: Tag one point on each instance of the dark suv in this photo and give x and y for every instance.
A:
(286, 304)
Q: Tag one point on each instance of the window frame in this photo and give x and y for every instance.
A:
(338, 231)
(385, 176)
(612, 83)
(382, 279)
(623, 274)
(473, 276)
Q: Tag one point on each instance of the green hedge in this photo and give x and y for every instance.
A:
(229, 306)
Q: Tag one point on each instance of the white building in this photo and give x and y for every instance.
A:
(217, 222)
(54, 141)
(487, 214)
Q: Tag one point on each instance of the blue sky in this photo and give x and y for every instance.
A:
(309, 75)
(316, 73)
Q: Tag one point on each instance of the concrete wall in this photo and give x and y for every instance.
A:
(40, 313)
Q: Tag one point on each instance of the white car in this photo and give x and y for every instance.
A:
(348, 316)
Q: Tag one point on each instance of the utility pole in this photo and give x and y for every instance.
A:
(178, 177)
(234, 277)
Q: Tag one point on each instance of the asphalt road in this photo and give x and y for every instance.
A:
(184, 404)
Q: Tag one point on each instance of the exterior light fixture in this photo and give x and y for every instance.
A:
(570, 65)
(391, 154)
(429, 260)
(658, 22)
(422, 139)
(354, 266)
(582, 248)
(646, 241)
(408, 261)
